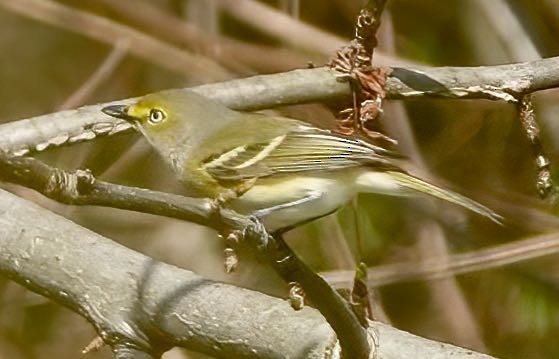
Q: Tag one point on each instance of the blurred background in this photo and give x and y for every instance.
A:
(63, 54)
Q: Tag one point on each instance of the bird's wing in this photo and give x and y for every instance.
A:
(302, 148)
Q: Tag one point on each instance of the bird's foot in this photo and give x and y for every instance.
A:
(296, 296)
(231, 261)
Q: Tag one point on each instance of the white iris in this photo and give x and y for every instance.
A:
(156, 116)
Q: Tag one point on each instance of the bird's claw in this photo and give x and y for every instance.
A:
(256, 230)
(296, 296)
(231, 260)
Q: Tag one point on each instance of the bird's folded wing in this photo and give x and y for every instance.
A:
(302, 149)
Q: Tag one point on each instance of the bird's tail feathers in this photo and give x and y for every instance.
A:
(417, 186)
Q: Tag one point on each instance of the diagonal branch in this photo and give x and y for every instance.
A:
(456, 264)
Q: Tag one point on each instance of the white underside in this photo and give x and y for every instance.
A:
(325, 193)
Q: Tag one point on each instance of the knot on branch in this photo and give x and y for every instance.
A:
(69, 186)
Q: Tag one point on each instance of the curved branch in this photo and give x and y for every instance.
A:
(149, 306)
(504, 82)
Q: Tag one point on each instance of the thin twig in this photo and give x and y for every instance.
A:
(437, 268)
(333, 306)
(521, 47)
(366, 29)
(368, 83)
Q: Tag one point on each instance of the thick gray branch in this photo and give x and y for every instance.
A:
(503, 82)
(138, 303)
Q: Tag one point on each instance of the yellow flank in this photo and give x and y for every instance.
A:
(200, 181)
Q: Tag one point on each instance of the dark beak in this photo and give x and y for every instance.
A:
(118, 111)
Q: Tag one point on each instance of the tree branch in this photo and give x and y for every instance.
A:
(456, 264)
(81, 188)
(149, 306)
(504, 82)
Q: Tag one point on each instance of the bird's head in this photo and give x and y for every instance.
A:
(162, 114)
(173, 119)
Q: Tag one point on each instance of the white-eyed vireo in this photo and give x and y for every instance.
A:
(282, 170)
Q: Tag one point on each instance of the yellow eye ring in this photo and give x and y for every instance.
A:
(156, 116)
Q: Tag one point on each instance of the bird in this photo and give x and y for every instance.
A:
(283, 171)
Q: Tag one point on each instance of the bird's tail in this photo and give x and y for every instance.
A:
(399, 183)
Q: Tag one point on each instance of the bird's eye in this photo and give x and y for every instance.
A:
(156, 116)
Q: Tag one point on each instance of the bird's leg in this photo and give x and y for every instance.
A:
(231, 260)
(231, 237)
(296, 293)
